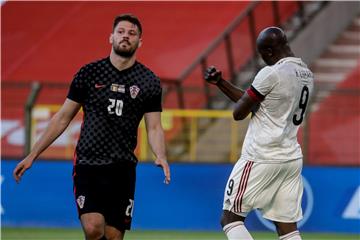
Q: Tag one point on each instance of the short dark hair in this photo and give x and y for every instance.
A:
(127, 17)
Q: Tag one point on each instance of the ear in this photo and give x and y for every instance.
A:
(111, 38)
(140, 42)
(269, 51)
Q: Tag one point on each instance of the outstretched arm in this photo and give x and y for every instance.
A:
(156, 140)
(56, 127)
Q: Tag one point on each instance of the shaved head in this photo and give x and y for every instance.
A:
(273, 45)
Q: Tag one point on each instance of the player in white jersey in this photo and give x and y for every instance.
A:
(267, 176)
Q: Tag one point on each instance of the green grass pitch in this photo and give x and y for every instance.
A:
(76, 234)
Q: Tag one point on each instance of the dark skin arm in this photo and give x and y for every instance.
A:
(244, 104)
(230, 90)
(213, 76)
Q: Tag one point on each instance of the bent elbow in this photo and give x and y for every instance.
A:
(235, 117)
(238, 116)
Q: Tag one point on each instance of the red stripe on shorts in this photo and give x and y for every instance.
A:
(242, 186)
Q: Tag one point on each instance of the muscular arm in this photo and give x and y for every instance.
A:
(213, 76)
(230, 90)
(244, 102)
(244, 106)
(56, 127)
(156, 140)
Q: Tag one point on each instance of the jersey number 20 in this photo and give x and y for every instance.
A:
(297, 120)
(116, 106)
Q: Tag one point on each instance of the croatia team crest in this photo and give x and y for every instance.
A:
(80, 201)
(134, 91)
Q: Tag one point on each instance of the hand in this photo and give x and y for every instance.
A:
(21, 168)
(165, 166)
(212, 75)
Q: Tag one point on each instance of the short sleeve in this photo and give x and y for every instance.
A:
(264, 81)
(154, 103)
(77, 90)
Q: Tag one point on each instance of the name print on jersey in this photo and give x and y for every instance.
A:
(303, 74)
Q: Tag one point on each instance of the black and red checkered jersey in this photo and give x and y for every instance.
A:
(113, 103)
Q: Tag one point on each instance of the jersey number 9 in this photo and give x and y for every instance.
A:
(302, 105)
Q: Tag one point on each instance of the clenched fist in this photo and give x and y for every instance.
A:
(212, 75)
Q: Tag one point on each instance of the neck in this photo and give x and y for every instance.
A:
(288, 52)
(121, 63)
(284, 55)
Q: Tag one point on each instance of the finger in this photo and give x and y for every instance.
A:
(21, 172)
(16, 173)
(166, 170)
(211, 68)
(165, 166)
(206, 76)
(215, 72)
(209, 71)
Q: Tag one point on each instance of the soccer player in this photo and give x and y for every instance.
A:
(267, 176)
(115, 93)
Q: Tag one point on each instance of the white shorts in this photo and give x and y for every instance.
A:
(275, 189)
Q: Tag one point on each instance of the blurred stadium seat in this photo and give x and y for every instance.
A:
(335, 125)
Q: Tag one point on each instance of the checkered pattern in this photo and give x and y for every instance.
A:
(111, 118)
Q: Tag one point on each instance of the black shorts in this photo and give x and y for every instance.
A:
(106, 189)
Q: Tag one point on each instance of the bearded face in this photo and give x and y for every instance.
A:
(125, 48)
(125, 39)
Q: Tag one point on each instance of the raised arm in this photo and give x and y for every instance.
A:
(213, 76)
(156, 140)
(246, 101)
(56, 127)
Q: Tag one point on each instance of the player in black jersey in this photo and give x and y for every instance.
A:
(115, 93)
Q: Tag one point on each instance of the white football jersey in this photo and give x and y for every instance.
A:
(285, 88)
